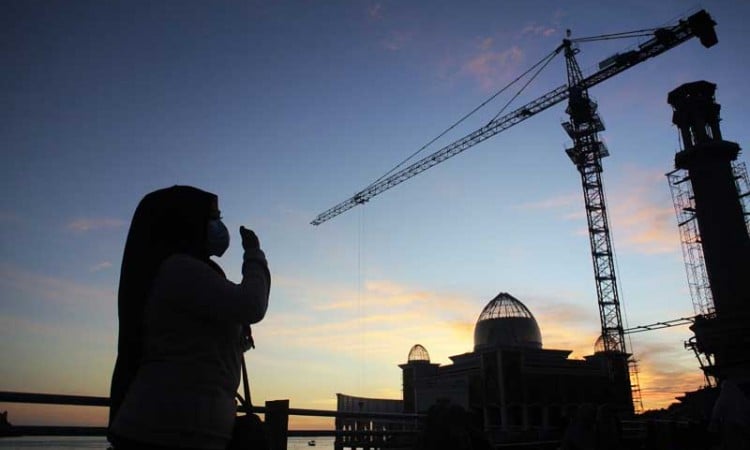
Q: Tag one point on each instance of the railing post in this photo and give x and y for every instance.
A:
(277, 423)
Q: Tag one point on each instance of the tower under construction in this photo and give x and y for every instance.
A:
(714, 228)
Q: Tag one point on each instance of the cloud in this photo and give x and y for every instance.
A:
(666, 369)
(642, 215)
(665, 372)
(566, 325)
(395, 40)
(386, 318)
(496, 59)
(101, 266)
(375, 11)
(371, 329)
(534, 29)
(490, 67)
(556, 202)
(10, 218)
(83, 225)
(569, 207)
(545, 30)
(558, 16)
(563, 312)
(394, 314)
(383, 318)
(640, 211)
(55, 330)
(650, 229)
(58, 290)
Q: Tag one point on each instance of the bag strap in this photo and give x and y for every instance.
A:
(246, 386)
(247, 344)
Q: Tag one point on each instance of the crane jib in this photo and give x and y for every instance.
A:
(496, 126)
(699, 25)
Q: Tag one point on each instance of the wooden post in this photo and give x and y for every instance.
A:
(277, 423)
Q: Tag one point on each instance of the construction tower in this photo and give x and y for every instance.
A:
(710, 199)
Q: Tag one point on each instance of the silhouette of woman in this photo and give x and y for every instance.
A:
(182, 324)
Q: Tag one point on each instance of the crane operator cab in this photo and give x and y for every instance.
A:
(703, 27)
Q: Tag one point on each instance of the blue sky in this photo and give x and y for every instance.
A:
(285, 108)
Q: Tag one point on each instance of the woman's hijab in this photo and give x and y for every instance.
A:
(167, 221)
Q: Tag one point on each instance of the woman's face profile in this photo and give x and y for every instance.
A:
(217, 235)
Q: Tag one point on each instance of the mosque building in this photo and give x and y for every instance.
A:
(509, 383)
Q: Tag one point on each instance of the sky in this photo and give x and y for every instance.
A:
(285, 108)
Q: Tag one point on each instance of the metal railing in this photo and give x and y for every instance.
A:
(276, 414)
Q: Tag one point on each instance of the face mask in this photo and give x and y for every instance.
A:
(217, 237)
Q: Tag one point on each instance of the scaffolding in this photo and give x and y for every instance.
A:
(739, 170)
(692, 251)
(635, 385)
(705, 360)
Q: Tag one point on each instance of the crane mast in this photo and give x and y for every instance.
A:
(587, 153)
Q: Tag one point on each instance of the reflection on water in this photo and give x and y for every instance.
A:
(321, 443)
(59, 443)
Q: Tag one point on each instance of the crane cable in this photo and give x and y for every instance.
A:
(360, 322)
(544, 61)
(622, 35)
(632, 370)
(549, 59)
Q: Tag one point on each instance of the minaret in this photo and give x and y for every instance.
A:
(707, 158)
(414, 372)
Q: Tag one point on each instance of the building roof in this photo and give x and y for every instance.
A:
(506, 322)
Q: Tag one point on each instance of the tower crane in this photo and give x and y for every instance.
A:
(586, 153)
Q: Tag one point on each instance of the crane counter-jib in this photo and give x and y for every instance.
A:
(699, 25)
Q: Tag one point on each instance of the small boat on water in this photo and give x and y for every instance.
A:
(311, 443)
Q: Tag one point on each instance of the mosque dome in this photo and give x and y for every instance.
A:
(506, 322)
(600, 347)
(418, 354)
